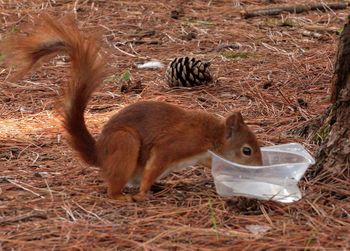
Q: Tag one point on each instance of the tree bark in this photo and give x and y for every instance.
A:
(333, 157)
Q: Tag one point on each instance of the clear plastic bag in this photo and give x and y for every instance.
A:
(283, 166)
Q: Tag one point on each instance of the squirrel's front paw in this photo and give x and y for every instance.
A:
(139, 197)
(121, 197)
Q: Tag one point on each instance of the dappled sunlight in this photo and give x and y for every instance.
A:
(43, 123)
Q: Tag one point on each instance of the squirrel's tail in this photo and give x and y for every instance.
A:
(88, 68)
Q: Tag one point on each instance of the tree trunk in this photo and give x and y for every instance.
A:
(333, 157)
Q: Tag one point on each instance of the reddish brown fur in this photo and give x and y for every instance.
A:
(49, 38)
(144, 139)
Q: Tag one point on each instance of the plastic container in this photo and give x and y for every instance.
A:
(283, 166)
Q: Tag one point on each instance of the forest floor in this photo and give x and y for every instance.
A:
(276, 70)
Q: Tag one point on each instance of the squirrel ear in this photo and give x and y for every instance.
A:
(233, 123)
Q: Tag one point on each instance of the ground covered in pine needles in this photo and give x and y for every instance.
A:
(276, 70)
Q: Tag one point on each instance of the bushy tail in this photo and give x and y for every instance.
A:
(88, 67)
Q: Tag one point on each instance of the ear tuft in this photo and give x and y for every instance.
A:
(233, 123)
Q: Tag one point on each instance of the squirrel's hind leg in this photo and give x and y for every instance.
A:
(157, 164)
(121, 152)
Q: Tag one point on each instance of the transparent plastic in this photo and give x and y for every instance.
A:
(283, 166)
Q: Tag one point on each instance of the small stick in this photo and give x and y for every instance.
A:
(320, 28)
(285, 98)
(33, 214)
(124, 52)
(311, 34)
(294, 9)
(91, 213)
(24, 188)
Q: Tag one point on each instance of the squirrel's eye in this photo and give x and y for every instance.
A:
(247, 151)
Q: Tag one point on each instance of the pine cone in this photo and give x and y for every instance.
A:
(187, 72)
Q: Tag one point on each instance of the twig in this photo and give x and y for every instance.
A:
(311, 34)
(124, 52)
(294, 9)
(223, 232)
(284, 97)
(24, 188)
(220, 47)
(91, 213)
(320, 28)
(129, 54)
(33, 214)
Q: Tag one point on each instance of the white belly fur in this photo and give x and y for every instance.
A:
(136, 179)
(185, 163)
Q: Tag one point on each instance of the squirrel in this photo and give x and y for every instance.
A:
(143, 140)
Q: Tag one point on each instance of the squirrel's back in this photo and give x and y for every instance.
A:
(159, 118)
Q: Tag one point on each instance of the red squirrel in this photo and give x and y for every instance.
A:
(143, 140)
